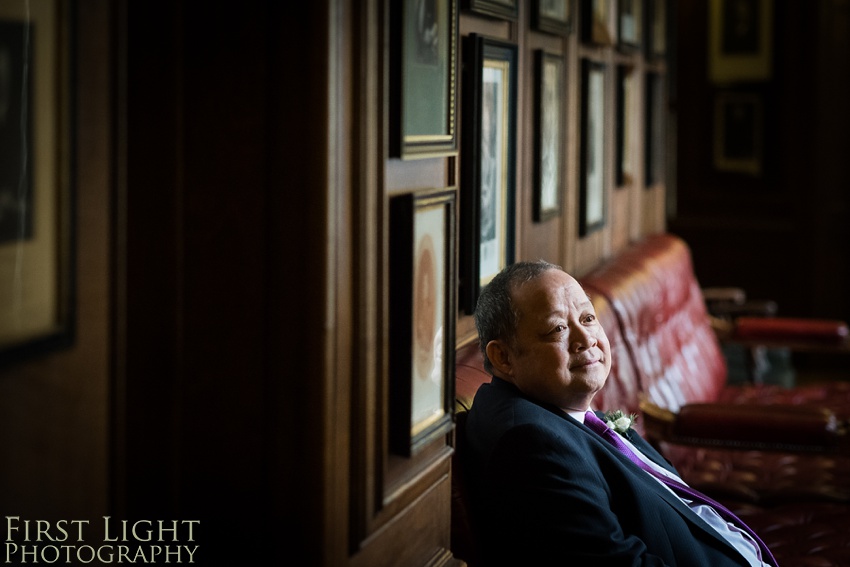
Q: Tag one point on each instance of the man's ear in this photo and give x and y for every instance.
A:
(500, 357)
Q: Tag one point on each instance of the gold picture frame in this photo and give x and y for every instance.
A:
(740, 39)
(36, 248)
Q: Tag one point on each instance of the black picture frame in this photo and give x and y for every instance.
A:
(739, 132)
(655, 135)
(37, 261)
(501, 9)
(552, 16)
(488, 170)
(655, 29)
(625, 160)
(630, 23)
(593, 201)
(548, 135)
(422, 318)
(423, 86)
(597, 22)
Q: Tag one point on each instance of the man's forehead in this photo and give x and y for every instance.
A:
(552, 293)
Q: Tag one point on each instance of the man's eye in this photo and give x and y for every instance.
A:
(590, 318)
(560, 328)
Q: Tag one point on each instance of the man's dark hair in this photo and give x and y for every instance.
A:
(495, 315)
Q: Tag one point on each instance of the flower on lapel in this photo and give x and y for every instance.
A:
(619, 421)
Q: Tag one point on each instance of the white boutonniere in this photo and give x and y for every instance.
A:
(619, 421)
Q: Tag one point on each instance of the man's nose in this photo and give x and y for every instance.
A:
(581, 338)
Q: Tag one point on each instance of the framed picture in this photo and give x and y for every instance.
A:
(598, 26)
(422, 317)
(548, 142)
(630, 24)
(36, 196)
(423, 86)
(488, 164)
(503, 9)
(592, 205)
(552, 16)
(626, 115)
(656, 26)
(654, 142)
(738, 132)
(740, 40)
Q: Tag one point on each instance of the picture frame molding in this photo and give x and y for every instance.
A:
(593, 208)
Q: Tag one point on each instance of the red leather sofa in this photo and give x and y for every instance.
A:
(777, 456)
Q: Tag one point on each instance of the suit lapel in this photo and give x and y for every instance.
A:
(653, 485)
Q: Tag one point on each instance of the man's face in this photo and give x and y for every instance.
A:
(561, 355)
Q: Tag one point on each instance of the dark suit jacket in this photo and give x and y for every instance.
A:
(549, 491)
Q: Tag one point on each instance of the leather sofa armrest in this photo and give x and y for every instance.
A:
(790, 329)
(735, 426)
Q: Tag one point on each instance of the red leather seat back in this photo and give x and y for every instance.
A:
(658, 303)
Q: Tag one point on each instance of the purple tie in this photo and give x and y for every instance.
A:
(599, 426)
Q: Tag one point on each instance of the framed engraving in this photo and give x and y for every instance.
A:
(738, 132)
(422, 317)
(626, 115)
(552, 16)
(488, 170)
(423, 69)
(592, 195)
(630, 24)
(740, 36)
(36, 194)
(502, 9)
(548, 142)
(655, 140)
(598, 22)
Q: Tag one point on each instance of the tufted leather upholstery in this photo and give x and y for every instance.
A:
(658, 303)
(677, 360)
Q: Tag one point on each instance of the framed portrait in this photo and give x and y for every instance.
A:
(738, 132)
(740, 39)
(548, 137)
(488, 164)
(598, 27)
(630, 24)
(423, 85)
(656, 29)
(502, 9)
(36, 194)
(626, 115)
(654, 142)
(422, 317)
(552, 16)
(592, 198)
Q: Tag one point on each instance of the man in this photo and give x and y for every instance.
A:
(550, 490)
